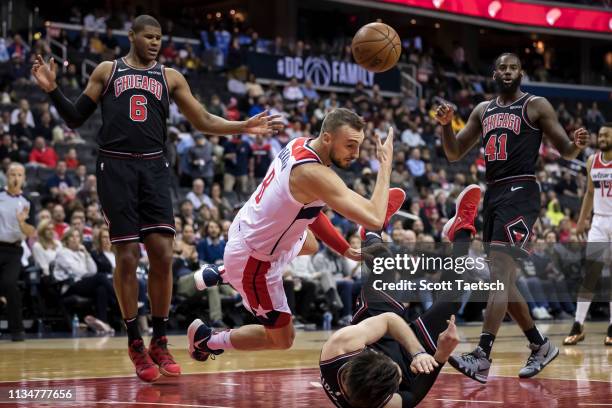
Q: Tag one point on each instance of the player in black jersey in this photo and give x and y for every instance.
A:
(384, 359)
(133, 174)
(511, 127)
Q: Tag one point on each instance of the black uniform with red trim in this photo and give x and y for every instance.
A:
(133, 174)
(512, 200)
(413, 387)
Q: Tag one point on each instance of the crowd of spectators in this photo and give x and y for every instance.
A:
(216, 175)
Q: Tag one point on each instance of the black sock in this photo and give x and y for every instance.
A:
(486, 342)
(610, 330)
(461, 243)
(159, 326)
(132, 329)
(534, 336)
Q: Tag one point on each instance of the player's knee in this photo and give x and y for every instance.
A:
(282, 339)
(127, 259)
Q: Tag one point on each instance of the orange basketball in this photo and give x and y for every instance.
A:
(376, 47)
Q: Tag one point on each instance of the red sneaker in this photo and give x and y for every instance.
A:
(466, 209)
(146, 370)
(396, 199)
(158, 351)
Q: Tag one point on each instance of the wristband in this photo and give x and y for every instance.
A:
(418, 353)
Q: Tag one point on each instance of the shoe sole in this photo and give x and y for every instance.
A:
(149, 381)
(577, 340)
(198, 276)
(191, 331)
(399, 204)
(457, 204)
(477, 377)
(167, 373)
(542, 366)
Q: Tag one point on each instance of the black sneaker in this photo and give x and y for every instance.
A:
(198, 334)
(475, 365)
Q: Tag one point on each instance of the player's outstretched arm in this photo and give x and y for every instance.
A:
(312, 182)
(587, 202)
(204, 121)
(75, 114)
(456, 146)
(540, 111)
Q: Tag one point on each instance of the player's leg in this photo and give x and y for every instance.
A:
(157, 230)
(117, 185)
(596, 250)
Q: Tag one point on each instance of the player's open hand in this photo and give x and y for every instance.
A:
(22, 215)
(444, 114)
(581, 138)
(384, 151)
(423, 364)
(581, 227)
(264, 124)
(45, 73)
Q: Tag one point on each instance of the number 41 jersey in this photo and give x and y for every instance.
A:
(511, 142)
(135, 103)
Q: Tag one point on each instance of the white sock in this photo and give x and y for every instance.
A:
(582, 308)
(221, 340)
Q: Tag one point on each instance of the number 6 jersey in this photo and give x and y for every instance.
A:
(510, 140)
(135, 104)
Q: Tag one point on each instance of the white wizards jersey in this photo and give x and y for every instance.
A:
(601, 175)
(272, 221)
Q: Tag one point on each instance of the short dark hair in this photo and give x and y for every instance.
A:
(139, 23)
(506, 54)
(370, 378)
(340, 117)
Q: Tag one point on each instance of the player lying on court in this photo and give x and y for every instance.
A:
(281, 220)
(510, 128)
(133, 174)
(385, 360)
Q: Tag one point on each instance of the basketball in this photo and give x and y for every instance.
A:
(376, 47)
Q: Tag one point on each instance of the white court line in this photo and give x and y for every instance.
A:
(229, 383)
(316, 384)
(163, 404)
(594, 404)
(476, 401)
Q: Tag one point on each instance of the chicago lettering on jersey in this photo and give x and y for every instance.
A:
(502, 120)
(143, 82)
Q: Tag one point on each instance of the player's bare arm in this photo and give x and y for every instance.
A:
(587, 202)
(310, 182)
(204, 121)
(456, 146)
(541, 112)
(371, 330)
(74, 113)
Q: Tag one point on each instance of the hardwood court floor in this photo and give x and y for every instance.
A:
(103, 376)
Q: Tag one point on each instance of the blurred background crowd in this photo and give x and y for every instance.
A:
(215, 175)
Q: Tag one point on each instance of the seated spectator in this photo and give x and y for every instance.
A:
(309, 92)
(60, 181)
(77, 221)
(415, 165)
(72, 162)
(24, 108)
(185, 253)
(412, 137)
(334, 281)
(197, 195)
(237, 155)
(58, 216)
(41, 155)
(221, 203)
(45, 248)
(211, 246)
(22, 130)
(187, 214)
(292, 91)
(77, 271)
(254, 90)
(200, 157)
(45, 127)
(216, 107)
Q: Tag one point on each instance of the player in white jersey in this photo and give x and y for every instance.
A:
(598, 198)
(280, 221)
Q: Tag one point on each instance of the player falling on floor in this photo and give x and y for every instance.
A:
(598, 199)
(133, 174)
(383, 359)
(280, 221)
(511, 127)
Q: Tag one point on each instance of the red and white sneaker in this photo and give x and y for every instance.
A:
(466, 209)
(397, 196)
(159, 353)
(146, 369)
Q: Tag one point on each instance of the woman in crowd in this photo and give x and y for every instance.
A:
(46, 247)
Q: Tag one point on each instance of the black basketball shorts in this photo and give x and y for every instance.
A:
(510, 211)
(134, 191)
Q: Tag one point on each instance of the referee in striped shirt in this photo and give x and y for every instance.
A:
(15, 226)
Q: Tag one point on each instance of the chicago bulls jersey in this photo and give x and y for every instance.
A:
(511, 142)
(272, 221)
(135, 105)
(601, 175)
